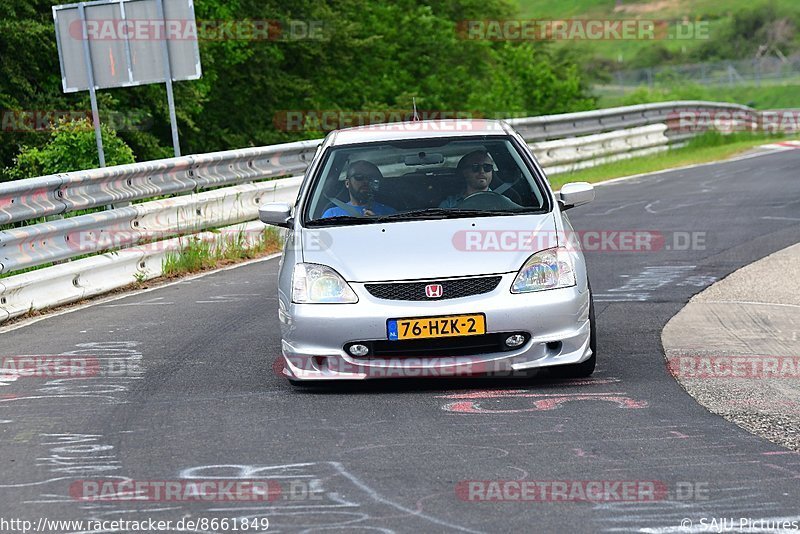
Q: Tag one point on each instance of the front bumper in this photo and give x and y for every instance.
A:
(556, 321)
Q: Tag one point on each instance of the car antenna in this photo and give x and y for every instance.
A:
(415, 118)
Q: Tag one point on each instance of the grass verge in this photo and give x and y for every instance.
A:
(197, 255)
(705, 148)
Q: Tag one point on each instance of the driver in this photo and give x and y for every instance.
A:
(361, 182)
(476, 168)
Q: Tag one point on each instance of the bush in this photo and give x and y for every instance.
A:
(653, 55)
(742, 34)
(72, 147)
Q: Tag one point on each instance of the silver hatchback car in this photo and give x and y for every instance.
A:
(431, 249)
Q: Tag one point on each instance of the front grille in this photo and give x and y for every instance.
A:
(451, 289)
(440, 347)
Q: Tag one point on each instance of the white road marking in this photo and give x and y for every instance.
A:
(782, 218)
(748, 302)
(377, 497)
(649, 208)
(616, 208)
(639, 287)
(151, 302)
(219, 299)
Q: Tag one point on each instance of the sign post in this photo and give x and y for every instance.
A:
(176, 144)
(87, 55)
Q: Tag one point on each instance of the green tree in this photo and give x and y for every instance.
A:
(371, 56)
(741, 34)
(72, 147)
(30, 82)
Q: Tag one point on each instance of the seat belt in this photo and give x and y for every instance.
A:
(505, 186)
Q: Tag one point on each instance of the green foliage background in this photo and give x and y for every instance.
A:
(374, 56)
(733, 29)
(72, 146)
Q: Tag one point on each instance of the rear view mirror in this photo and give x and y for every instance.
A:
(424, 158)
(275, 213)
(575, 194)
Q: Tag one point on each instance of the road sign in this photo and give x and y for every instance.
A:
(126, 40)
(123, 43)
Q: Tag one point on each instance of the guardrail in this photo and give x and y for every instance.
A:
(240, 180)
(563, 155)
(88, 277)
(607, 120)
(61, 239)
(65, 193)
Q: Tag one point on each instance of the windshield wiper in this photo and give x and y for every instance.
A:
(428, 213)
(341, 220)
(442, 213)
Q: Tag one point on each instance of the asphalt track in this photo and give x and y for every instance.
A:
(390, 456)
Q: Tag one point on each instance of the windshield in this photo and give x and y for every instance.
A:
(432, 178)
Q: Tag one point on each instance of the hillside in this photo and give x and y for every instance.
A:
(707, 9)
(709, 17)
(706, 49)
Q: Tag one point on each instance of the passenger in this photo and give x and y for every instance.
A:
(361, 182)
(476, 169)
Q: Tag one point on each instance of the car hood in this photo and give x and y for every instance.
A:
(426, 249)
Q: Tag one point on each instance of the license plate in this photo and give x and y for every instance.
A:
(428, 327)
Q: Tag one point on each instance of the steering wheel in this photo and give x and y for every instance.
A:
(487, 200)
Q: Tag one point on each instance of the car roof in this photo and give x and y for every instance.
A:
(398, 131)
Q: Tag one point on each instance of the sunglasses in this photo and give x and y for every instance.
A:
(360, 177)
(487, 167)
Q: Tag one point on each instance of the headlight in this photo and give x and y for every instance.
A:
(313, 283)
(548, 269)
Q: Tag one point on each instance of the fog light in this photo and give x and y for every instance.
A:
(515, 341)
(358, 350)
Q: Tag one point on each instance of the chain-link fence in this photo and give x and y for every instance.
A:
(765, 70)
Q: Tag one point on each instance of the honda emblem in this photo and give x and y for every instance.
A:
(434, 291)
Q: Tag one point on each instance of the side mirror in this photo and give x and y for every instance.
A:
(575, 194)
(275, 213)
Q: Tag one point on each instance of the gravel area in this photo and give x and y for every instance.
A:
(774, 280)
(750, 319)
